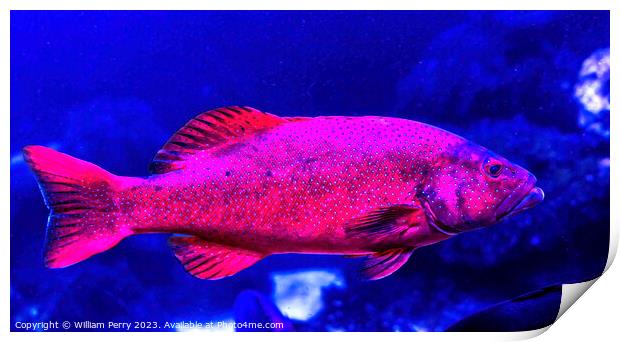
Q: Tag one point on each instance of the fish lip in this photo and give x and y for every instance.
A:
(529, 198)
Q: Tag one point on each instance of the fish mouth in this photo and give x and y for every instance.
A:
(529, 199)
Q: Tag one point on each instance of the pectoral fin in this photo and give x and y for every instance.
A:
(390, 222)
(206, 260)
(382, 264)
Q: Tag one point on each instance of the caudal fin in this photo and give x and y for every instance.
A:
(83, 215)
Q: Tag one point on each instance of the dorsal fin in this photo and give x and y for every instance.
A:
(214, 128)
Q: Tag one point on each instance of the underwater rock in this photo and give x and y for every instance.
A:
(507, 64)
(253, 307)
(298, 295)
(592, 92)
(531, 311)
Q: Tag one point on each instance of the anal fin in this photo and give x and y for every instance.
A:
(382, 264)
(206, 260)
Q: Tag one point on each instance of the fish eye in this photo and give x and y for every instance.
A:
(494, 169)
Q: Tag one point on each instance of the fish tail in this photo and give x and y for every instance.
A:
(84, 218)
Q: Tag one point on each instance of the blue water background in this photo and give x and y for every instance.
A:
(111, 87)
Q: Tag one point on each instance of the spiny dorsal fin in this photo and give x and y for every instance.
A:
(206, 260)
(214, 128)
(382, 264)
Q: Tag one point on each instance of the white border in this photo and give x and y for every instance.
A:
(596, 318)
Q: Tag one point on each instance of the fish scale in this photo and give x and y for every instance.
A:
(239, 184)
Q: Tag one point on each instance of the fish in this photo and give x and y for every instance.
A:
(236, 184)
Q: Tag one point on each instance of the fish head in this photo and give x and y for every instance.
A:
(471, 187)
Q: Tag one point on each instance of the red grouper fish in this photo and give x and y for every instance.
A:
(237, 184)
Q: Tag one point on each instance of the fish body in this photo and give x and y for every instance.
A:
(240, 184)
(293, 189)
